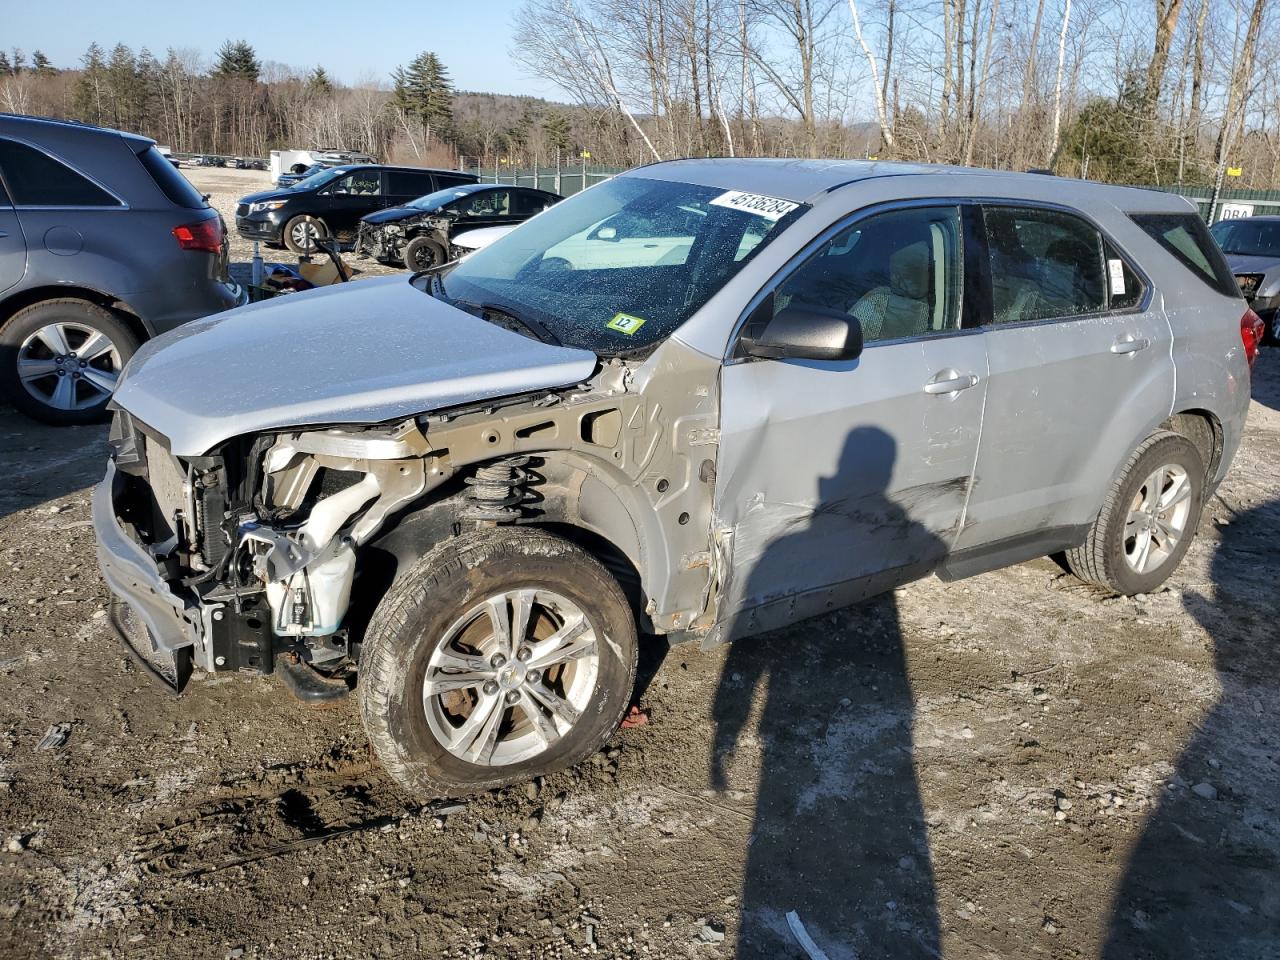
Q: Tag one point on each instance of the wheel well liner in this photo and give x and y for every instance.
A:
(1204, 430)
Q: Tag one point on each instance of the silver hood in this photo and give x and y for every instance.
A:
(362, 352)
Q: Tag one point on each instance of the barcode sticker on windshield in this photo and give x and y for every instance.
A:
(1117, 277)
(771, 208)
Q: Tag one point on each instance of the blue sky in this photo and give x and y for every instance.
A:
(353, 39)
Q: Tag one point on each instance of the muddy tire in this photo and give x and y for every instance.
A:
(301, 232)
(1148, 519)
(423, 253)
(453, 704)
(59, 360)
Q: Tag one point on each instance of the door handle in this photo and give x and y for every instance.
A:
(1128, 343)
(3, 234)
(948, 381)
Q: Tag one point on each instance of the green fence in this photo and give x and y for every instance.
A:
(1237, 202)
(565, 180)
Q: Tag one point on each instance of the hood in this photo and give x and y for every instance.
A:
(359, 352)
(1243, 263)
(481, 236)
(266, 195)
(392, 214)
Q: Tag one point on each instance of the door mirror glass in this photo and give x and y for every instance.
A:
(607, 233)
(801, 331)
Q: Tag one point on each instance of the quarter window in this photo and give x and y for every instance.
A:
(1185, 236)
(1044, 264)
(899, 274)
(37, 180)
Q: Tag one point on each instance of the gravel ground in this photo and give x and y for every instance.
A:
(1009, 766)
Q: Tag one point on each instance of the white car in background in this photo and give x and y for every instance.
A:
(477, 239)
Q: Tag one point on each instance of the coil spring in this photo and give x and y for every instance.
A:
(496, 491)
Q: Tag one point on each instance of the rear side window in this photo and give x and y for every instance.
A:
(172, 183)
(404, 184)
(1186, 237)
(35, 179)
(1044, 265)
(444, 181)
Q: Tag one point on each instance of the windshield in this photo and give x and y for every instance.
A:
(434, 201)
(1248, 238)
(319, 179)
(619, 267)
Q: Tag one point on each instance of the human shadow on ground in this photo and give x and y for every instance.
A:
(838, 834)
(1203, 881)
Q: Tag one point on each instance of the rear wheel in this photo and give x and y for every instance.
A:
(423, 253)
(302, 232)
(499, 656)
(60, 360)
(1148, 520)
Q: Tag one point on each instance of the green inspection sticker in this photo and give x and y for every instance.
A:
(625, 323)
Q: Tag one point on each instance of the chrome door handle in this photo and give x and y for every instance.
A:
(1129, 344)
(948, 381)
(3, 234)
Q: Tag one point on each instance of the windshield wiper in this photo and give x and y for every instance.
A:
(490, 311)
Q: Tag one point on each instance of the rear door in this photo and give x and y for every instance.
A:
(1080, 356)
(406, 185)
(13, 247)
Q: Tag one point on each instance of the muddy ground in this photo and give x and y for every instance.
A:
(1011, 766)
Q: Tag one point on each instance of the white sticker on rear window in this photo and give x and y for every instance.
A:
(771, 208)
(1117, 277)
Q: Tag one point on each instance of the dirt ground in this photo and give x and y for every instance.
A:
(1011, 766)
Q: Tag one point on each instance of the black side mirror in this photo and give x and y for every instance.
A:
(803, 332)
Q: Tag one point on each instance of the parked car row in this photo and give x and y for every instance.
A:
(703, 399)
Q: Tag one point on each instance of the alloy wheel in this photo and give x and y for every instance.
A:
(69, 366)
(305, 233)
(511, 677)
(1157, 519)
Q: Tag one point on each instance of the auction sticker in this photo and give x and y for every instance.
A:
(625, 323)
(771, 208)
(1117, 277)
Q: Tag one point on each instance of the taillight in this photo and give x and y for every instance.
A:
(203, 235)
(1251, 330)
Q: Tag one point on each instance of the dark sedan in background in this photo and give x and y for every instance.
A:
(419, 234)
(330, 203)
(1252, 246)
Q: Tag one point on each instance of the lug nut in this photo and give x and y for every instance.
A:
(524, 653)
(62, 373)
(533, 676)
(498, 660)
(513, 696)
(57, 360)
(490, 687)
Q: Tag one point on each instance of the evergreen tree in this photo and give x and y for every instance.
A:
(41, 65)
(237, 60)
(91, 85)
(423, 92)
(5, 67)
(318, 81)
(17, 61)
(556, 128)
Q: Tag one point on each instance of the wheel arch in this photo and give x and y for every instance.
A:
(121, 309)
(1204, 430)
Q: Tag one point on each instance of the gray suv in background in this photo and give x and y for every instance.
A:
(706, 398)
(103, 244)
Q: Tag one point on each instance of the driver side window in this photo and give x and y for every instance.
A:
(899, 273)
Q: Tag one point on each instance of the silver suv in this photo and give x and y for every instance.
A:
(703, 399)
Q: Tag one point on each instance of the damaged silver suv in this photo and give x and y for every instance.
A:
(703, 399)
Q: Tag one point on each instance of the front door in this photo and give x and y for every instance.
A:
(840, 479)
(349, 198)
(1081, 364)
(13, 247)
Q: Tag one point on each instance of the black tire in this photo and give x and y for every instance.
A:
(414, 618)
(423, 253)
(77, 319)
(297, 224)
(1101, 558)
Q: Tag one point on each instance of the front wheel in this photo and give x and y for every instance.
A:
(302, 232)
(499, 656)
(1148, 519)
(60, 360)
(423, 253)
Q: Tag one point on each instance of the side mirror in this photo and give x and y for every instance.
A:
(803, 332)
(607, 233)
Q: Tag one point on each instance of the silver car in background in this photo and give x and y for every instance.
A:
(1252, 246)
(704, 399)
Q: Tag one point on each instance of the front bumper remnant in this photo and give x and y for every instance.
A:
(157, 625)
